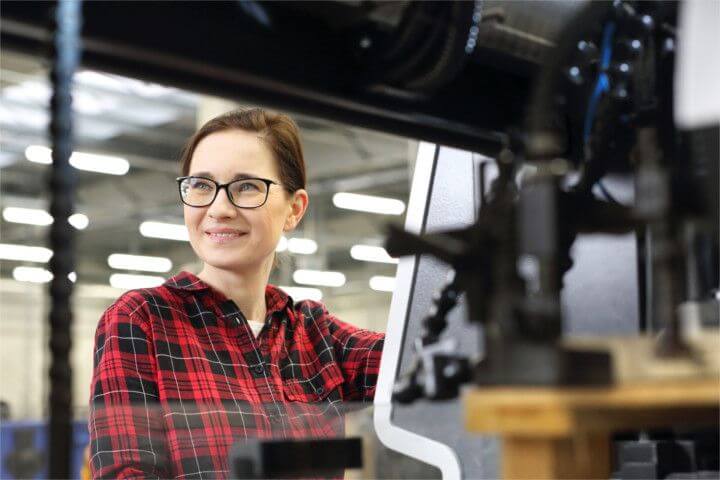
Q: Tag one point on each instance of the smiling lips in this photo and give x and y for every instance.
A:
(223, 235)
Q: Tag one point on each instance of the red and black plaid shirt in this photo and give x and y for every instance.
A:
(179, 377)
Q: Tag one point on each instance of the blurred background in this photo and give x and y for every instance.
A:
(132, 208)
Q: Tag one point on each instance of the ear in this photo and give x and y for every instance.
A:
(298, 207)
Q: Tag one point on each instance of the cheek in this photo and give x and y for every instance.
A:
(193, 218)
(267, 227)
(188, 216)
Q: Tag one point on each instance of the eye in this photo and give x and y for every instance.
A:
(248, 187)
(200, 184)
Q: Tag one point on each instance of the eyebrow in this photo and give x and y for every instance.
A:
(237, 176)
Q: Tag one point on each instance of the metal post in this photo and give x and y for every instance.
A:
(65, 51)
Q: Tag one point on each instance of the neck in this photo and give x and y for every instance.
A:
(246, 289)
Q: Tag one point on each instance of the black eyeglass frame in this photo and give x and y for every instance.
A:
(220, 186)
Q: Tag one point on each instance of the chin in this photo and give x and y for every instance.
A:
(230, 262)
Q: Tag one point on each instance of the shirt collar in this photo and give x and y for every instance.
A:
(275, 298)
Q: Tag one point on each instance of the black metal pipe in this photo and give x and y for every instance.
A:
(65, 55)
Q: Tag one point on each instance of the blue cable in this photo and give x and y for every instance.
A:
(602, 85)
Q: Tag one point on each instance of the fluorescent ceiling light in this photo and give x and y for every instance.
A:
(79, 221)
(38, 154)
(282, 244)
(37, 275)
(122, 84)
(24, 253)
(382, 284)
(316, 277)
(167, 231)
(28, 216)
(28, 117)
(99, 163)
(36, 216)
(128, 282)
(100, 80)
(368, 203)
(31, 274)
(368, 253)
(91, 104)
(303, 246)
(139, 262)
(32, 91)
(90, 162)
(303, 293)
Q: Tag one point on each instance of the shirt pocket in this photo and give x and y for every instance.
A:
(311, 385)
(313, 403)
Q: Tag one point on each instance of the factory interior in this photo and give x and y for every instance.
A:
(520, 196)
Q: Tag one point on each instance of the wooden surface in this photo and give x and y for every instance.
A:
(565, 432)
(634, 358)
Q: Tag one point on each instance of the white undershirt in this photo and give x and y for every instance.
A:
(255, 327)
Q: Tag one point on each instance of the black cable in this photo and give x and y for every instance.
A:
(62, 181)
(543, 141)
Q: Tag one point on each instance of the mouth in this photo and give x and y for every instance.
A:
(224, 237)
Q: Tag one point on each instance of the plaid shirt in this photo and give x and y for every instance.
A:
(179, 377)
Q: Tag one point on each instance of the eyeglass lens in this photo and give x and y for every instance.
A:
(246, 193)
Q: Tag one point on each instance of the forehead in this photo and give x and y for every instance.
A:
(229, 152)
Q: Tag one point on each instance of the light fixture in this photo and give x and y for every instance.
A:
(24, 253)
(317, 277)
(90, 162)
(36, 216)
(368, 203)
(382, 284)
(31, 91)
(128, 282)
(79, 221)
(282, 244)
(28, 216)
(304, 246)
(32, 274)
(139, 262)
(167, 231)
(303, 293)
(38, 154)
(99, 163)
(37, 275)
(369, 253)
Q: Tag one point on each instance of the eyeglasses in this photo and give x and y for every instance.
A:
(243, 193)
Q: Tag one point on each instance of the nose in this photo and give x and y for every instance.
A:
(221, 206)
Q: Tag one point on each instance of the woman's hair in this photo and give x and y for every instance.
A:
(279, 132)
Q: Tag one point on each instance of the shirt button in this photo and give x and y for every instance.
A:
(319, 390)
(259, 369)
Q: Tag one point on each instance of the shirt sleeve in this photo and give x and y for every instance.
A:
(125, 424)
(358, 353)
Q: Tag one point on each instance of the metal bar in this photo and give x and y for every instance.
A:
(65, 51)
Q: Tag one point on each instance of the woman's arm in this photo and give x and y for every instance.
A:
(126, 432)
(358, 354)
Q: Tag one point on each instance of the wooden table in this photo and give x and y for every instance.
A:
(565, 432)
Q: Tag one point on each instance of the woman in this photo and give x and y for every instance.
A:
(184, 370)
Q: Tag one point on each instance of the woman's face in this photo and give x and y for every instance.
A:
(227, 237)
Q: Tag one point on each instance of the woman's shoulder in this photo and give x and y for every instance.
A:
(137, 302)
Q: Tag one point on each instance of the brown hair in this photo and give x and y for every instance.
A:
(279, 132)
